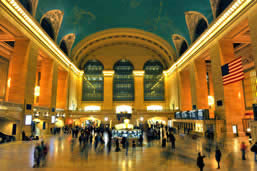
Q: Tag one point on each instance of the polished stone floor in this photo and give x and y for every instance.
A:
(19, 156)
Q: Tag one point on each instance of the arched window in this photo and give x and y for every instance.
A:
(183, 48)
(153, 81)
(123, 82)
(63, 47)
(47, 26)
(222, 5)
(200, 28)
(27, 5)
(93, 82)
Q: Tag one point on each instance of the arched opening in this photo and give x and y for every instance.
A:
(183, 48)
(222, 5)
(63, 47)
(200, 28)
(123, 82)
(93, 83)
(27, 5)
(153, 81)
(47, 26)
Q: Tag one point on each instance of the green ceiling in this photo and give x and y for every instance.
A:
(161, 17)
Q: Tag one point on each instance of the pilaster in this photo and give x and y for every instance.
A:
(108, 90)
(139, 89)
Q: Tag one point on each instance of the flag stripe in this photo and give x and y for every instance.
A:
(235, 66)
(234, 71)
(235, 80)
(233, 77)
(235, 62)
(232, 74)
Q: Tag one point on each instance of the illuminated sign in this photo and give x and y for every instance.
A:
(52, 119)
(28, 119)
(154, 108)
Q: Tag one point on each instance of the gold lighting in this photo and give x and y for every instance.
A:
(138, 73)
(34, 28)
(210, 100)
(9, 83)
(108, 73)
(37, 91)
(209, 34)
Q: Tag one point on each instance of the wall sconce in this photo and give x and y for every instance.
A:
(210, 100)
(9, 82)
(37, 91)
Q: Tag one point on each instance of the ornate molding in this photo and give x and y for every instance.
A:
(192, 19)
(214, 4)
(55, 17)
(177, 41)
(69, 39)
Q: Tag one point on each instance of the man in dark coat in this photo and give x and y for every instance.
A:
(254, 149)
(218, 156)
(172, 140)
(200, 162)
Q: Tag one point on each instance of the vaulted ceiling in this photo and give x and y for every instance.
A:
(161, 17)
(179, 22)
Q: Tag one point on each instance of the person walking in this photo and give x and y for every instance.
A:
(141, 140)
(109, 144)
(172, 140)
(218, 156)
(37, 155)
(117, 149)
(97, 139)
(243, 149)
(127, 145)
(200, 162)
(254, 149)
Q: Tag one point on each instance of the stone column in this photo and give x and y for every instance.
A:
(198, 82)
(139, 89)
(54, 83)
(252, 18)
(48, 84)
(186, 98)
(193, 77)
(62, 90)
(79, 83)
(172, 91)
(230, 97)
(108, 90)
(23, 68)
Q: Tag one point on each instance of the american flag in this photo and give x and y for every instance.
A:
(232, 71)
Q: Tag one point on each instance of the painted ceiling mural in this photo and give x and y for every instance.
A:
(161, 17)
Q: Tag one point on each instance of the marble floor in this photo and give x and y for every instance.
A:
(19, 156)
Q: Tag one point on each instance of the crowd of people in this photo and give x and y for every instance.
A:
(102, 138)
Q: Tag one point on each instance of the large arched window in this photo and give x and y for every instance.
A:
(200, 28)
(93, 82)
(63, 47)
(27, 5)
(153, 81)
(222, 5)
(123, 82)
(47, 26)
(183, 48)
